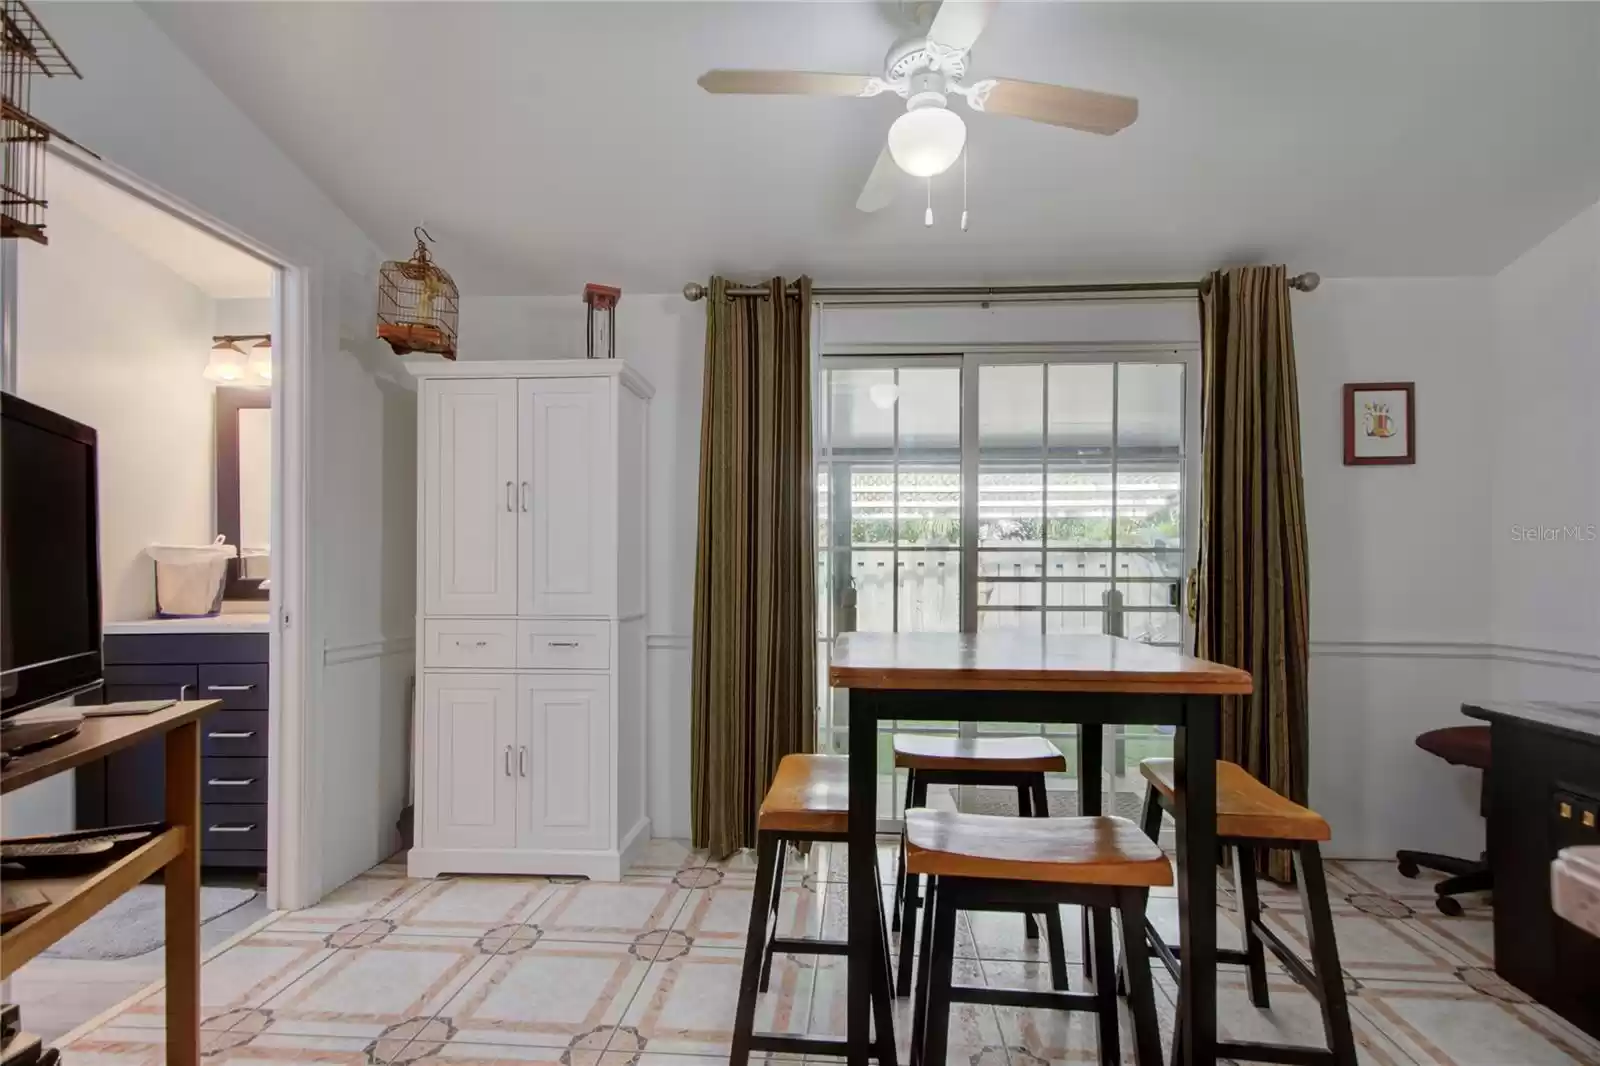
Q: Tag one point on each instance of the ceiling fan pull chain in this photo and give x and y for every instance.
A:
(964, 190)
(927, 216)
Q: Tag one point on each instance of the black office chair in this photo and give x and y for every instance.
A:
(1461, 745)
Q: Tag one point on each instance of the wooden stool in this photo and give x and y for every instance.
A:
(1250, 816)
(809, 801)
(1018, 762)
(978, 862)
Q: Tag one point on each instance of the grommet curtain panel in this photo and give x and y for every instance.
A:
(755, 633)
(1253, 588)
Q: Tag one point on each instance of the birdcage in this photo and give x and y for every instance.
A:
(418, 304)
(27, 51)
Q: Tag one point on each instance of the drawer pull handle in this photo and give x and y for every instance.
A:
(230, 828)
(561, 643)
(243, 735)
(508, 760)
(229, 688)
(511, 497)
(231, 782)
(473, 644)
(522, 761)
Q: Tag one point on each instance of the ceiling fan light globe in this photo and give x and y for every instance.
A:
(927, 142)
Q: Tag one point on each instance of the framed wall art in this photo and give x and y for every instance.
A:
(1380, 425)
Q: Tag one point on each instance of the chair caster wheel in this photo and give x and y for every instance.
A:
(1449, 905)
(1408, 868)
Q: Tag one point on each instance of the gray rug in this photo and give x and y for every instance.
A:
(135, 923)
(1063, 804)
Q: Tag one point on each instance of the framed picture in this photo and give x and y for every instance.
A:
(1380, 425)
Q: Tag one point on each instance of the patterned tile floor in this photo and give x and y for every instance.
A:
(645, 973)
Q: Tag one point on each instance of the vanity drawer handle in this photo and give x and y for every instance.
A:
(230, 828)
(229, 688)
(473, 644)
(244, 735)
(561, 643)
(232, 782)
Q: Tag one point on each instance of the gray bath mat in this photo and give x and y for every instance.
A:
(136, 923)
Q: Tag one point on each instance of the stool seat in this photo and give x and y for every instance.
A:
(1073, 851)
(809, 794)
(913, 751)
(1246, 809)
(1459, 745)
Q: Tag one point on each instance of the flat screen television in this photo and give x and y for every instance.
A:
(49, 557)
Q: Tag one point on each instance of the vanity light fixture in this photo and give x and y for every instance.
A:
(229, 365)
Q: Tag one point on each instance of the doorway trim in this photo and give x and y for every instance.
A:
(293, 869)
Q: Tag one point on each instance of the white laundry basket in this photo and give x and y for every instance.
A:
(190, 578)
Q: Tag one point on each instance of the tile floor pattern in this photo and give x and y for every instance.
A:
(467, 971)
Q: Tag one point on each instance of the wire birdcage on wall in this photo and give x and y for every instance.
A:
(26, 51)
(418, 304)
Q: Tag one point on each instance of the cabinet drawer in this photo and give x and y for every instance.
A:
(470, 642)
(240, 688)
(225, 780)
(234, 733)
(125, 683)
(233, 827)
(570, 645)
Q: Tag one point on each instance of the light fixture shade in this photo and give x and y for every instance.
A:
(226, 366)
(260, 362)
(927, 141)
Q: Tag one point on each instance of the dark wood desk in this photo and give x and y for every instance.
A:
(1544, 795)
(176, 851)
(1092, 681)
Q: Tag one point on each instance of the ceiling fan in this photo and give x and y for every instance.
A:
(926, 70)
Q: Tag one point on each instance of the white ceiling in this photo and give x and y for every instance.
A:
(550, 144)
(215, 267)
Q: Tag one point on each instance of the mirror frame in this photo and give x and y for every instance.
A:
(229, 402)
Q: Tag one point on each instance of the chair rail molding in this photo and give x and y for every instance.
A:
(1467, 650)
(336, 652)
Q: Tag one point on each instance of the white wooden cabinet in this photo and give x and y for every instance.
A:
(530, 632)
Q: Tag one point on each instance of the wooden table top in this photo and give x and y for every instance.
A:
(95, 739)
(1034, 662)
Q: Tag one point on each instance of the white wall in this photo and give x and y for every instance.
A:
(1399, 559)
(117, 341)
(146, 108)
(1544, 391)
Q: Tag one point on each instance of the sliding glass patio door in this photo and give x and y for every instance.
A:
(1029, 491)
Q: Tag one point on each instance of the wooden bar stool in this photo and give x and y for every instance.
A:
(977, 862)
(1251, 816)
(1015, 762)
(809, 800)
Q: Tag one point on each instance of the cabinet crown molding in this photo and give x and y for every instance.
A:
(537, 368)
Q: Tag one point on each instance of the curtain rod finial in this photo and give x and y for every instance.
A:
(1306, 282)
(694, 291)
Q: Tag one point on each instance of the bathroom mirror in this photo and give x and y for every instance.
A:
(244, 487)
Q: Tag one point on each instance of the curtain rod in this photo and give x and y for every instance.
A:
(1306, 282)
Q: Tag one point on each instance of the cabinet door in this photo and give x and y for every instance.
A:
(568, 540)
(469, 762)
(564, 757)
(469, 474)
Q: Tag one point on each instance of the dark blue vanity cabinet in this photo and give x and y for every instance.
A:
(126, 787)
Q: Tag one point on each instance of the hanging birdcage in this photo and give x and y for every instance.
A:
(26, 51)
(418, 304)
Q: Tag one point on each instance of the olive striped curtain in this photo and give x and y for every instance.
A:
(1252, 603)
(755, 633)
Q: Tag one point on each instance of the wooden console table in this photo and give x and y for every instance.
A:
(73, 900)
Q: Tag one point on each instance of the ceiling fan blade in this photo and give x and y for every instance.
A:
(1078, 109)
(883, 184)
(958, 23)
(786, 82)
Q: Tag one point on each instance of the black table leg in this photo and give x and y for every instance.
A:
(1195, 809)
(1091, 749)
(863, 882)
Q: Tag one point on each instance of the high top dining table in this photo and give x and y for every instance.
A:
(1089, 680)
